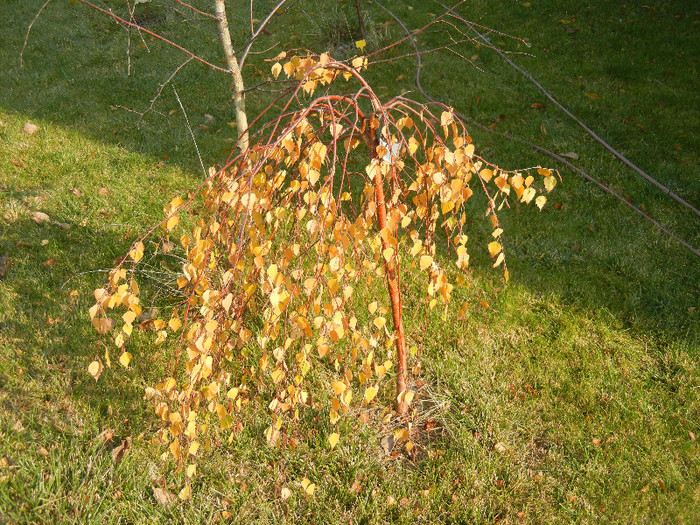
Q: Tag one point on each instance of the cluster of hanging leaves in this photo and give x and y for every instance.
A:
(287, 249)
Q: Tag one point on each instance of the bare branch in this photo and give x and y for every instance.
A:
(262, 25)
(26, 36)
(155, 35)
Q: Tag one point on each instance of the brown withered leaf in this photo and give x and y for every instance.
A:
(387, 444)
(119, 452)
(106, 435)
(30, 128)
(76, 192)
(163, 496)
(40, 217)
(103, 191)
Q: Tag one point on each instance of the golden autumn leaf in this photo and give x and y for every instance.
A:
(95, 369)
(379, 322)
(540, 201)
(136, 252)
(186, 492)
(308, 487)
(494, 248)
(339, 387)
(174, 324)
(333, 440)
(276, 69)
(370, 394)
(125, 359)
(425, 261)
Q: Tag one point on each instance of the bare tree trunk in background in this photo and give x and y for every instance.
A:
(238, 87)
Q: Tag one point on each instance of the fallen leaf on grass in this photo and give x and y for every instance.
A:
(500, 448)
(119, 452)
(30, 128)
(163, 496)
(63, 225)
(570, 155)
(103, 191)
(40, 217)
(49, 262)
(43, 452)
(387, 444)
(76, 192)
(592, 96)
(106, 435)
(537, 106)
(95, 369)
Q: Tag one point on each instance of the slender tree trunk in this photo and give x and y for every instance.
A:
(238, 87)
(395, 297)
(393, 286)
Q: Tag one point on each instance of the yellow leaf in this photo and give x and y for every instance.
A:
(388, 253)
(186, 492)
(360, 44)
(323, 350)
(499, 260)
(373, 307)
(95, 369)
(136, 252)
(276, 69)
(308, 486)
(549, 183)
(446, 118)
(277, 375)
(540, 201)
(191, 470)
(494, 248)
(486, 174)
(339, 387)
(174, 324)
(125, 359)
(175, 450)
(425, 261)
(172, 222)
(528, 195)
(370, 394)
(379, 322)
(333, 440)
(129, 317)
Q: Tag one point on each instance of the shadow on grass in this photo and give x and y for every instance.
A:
(590, 254)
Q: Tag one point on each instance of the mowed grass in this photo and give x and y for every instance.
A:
(572, 399)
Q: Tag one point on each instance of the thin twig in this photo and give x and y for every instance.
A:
(588, 130)
(160, 89)
(189, 128)
(26, 36)
(257, 32)
(155, 35)
(203, 13)
(551, 154)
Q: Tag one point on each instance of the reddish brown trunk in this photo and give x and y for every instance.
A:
(395, 296)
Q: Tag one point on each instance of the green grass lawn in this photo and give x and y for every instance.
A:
(575, 398)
